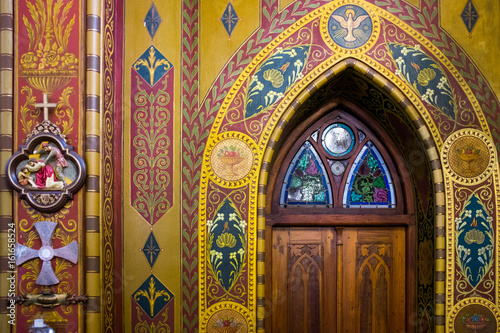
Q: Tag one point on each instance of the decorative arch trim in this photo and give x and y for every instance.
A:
(431, 151)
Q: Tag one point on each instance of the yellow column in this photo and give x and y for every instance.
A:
(93, 281)
(6, 144)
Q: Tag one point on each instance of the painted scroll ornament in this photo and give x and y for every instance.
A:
(46, 171)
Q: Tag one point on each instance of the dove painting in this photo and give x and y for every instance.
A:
(350, 26)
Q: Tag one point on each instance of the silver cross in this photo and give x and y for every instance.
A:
(69, 252)
(45, 105)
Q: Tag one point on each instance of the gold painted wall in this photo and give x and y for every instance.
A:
(483, 43)
(216, 47)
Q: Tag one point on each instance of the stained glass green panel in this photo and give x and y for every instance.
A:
(369, 184)
(306, 181)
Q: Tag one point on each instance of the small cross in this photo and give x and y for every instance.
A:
(45, 105)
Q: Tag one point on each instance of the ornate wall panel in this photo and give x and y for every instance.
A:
(49, 61)
(150, 177)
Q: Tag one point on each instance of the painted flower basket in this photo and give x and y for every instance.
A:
(476, 326)
(48, 80)
(231, 161)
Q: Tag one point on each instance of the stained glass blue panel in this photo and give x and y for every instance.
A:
(306, 181)
(369, 184)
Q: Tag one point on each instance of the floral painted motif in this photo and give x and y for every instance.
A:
(306, 181)
(274, 77)
(226, 245)
(49, 33)
(228, 324)
(425, 76)
(152, 296)
(474, 241)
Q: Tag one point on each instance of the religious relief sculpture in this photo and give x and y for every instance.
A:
(46, 171)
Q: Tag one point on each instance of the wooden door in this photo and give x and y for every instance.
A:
(338, 279)
(303, 281)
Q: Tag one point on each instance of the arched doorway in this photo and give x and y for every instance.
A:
(340, 229)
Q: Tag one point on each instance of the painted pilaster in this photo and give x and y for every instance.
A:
(6, 131)
(93, 279)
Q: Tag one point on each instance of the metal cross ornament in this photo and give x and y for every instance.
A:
(45, 105)
(46, 253)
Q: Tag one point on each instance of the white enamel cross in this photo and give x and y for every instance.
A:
(45, 105)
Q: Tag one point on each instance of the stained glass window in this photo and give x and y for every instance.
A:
(306, 181)
(369, 183)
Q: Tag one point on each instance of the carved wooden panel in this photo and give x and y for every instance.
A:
(303, 288)
(339, 280)
(374, 280)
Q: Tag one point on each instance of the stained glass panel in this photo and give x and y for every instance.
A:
(369, 183)
(306, 181)
(338, 139)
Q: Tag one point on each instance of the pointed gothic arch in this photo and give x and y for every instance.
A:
(404, 102)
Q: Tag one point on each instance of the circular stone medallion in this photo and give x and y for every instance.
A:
(350, 26)
(469, 156)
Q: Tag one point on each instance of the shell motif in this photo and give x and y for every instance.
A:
(274, 76)
(425, 76)
(226, 240)
(272, 79)
(474, 236)
(226, 244)
(474, 239)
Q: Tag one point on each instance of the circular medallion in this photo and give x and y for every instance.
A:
(349, 27)
(227, 317)
(337, 139)
(232, 158)
(227, 321)
(337, 168)
(469, 156)
(474, 315)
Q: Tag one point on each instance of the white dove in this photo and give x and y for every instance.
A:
(350, 24)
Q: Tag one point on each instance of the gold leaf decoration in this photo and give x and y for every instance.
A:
(226, 239)
(425, 76)
(474, 236)
(274, 76)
